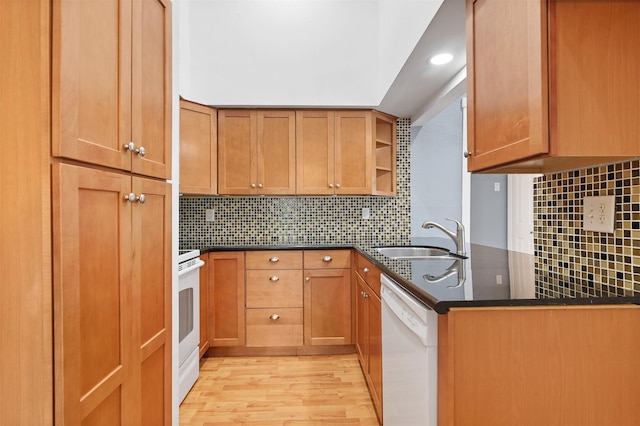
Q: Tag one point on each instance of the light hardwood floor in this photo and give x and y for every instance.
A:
(279, 390)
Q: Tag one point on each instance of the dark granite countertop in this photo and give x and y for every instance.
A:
(488, 277)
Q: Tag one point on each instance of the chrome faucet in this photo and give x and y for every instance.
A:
(457, 237)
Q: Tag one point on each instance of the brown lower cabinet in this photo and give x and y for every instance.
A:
(368, 328)
(226, 316)
(539, 366)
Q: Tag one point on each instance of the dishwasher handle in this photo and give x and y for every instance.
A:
(404, 313)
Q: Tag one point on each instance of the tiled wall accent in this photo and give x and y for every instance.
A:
(571, 262)
(303, 220)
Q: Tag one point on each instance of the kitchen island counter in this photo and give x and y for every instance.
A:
(487, 277)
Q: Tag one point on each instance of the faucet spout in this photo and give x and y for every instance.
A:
(457, 237)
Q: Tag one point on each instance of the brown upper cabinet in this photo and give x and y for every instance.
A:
(552, 85)
(335, 153)
(256, 152)
(198, 149)
(111, 64)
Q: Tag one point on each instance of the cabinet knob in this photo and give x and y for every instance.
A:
(259, 185)
(141, 198)
(130, 197)
(330, 185)
(327, 259)
(364, 295)
(274, 278)
(365, 269)
(130, 146)
(253, 185)
(467, 154)
(307, 279)
(274, 259)
(141, 151)
(274, 317)
(337, 185)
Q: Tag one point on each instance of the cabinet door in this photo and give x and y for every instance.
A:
(315, 152)
(237, 152)
(362, 323)
(226, 299)
(327, 307)
(151, 82)
(198, 149)
(151, 282)
(375, 350)
(508, 83)
(204, 305)
(93, 322)
(91, 81)
(276, 152)
(353, 139)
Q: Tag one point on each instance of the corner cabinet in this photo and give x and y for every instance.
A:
(111, 89)
(256, 152)
(345, 153)
(545, 91)
(198, 149)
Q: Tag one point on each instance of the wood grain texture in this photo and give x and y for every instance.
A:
(353, 152)
(226, 299)
(540, 366)
(315, 152)
(26, 347)
(276, 160)
(327, 307)
(198, 149)
(279, 391)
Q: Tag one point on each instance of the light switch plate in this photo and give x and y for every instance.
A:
(365, 213)
(210, 215)
(599, 213)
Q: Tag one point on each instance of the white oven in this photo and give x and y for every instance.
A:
(189, 265)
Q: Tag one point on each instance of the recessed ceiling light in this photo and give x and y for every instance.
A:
(441, 59)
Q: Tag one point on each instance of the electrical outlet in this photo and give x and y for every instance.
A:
(365, 213)
(210, 215)
(599, 213)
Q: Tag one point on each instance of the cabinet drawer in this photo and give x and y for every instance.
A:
(285, 330)
(281, 288)
(369, 273)
(274, 259)
(327, 259)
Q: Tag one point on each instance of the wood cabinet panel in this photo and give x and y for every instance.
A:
(327, 307)
(226, 298)
(575, 365)
(94, 355)
(26, 376)
(529, 64)
(274, 259)
(375, 351)
(256, 152)
(198, 149)
(111, 84)
(327, 259)
(204, 305)
(276, 152)
(315, 152)
(278, 288)
(274, 327)
(353, 151)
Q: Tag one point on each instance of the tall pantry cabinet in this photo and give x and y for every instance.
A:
(88, 212)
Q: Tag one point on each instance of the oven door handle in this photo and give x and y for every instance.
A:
(199, 263)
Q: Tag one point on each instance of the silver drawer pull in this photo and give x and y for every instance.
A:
(274, 278)
(327, 259)
(365, 269)
(274, 259)
(274, 317)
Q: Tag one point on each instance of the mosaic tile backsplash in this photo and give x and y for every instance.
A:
(571, 262)
(305, 219)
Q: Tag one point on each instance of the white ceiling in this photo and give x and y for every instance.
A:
(333, 53)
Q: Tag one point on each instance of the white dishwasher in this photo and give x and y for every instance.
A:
(409, 358)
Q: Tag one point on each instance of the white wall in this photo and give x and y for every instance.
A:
(297, 53)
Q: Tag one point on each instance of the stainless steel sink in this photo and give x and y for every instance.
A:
(417, 252)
